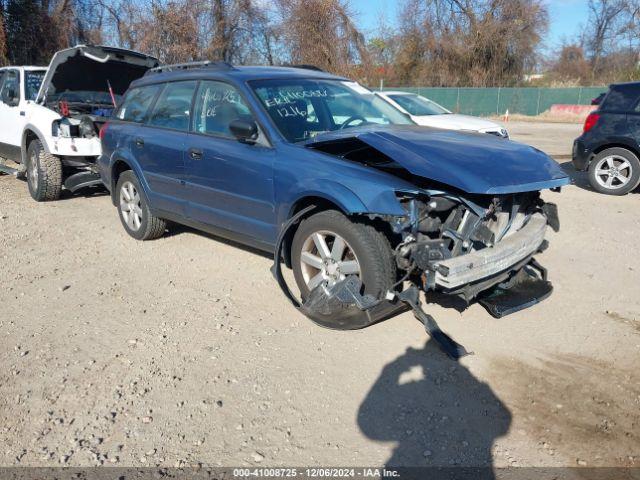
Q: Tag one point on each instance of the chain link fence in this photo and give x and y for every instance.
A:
(496, 101)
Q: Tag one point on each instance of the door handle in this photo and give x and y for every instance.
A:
(195, 154)
(139, 142)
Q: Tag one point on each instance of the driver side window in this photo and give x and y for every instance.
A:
(10, 89)
(217, 105)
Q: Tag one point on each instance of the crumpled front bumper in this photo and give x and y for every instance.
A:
(482, 264)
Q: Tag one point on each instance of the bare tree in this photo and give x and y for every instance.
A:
(465, 42)
(3, 38)
(321, 33)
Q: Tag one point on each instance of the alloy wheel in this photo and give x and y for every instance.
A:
(613, 172)
(130, 206)
(327, 257)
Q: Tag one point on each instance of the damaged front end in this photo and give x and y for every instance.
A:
(465, 246)
(470, 229)
(472, 247)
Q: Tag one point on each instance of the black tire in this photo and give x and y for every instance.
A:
(149, 226)
(44, 173)
(371, 248)
(618, 156)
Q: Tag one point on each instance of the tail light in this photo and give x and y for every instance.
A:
(590, 122)
(103, 130)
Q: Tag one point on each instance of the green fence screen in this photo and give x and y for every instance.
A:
(496, 101)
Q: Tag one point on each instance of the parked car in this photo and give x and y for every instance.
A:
(53, 133)
(428, 113)
(609, 146)
(18, 90)
(241, 151)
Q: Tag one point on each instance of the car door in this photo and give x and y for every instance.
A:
(11, 114)
(230, 183)
(158, 146)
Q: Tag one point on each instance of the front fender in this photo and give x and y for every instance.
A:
(380, 200)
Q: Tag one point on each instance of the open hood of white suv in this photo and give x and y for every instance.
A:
(88, 68)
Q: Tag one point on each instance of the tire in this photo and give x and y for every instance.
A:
(610, 160)
(133, 209)
(369, 247)
(44, 173)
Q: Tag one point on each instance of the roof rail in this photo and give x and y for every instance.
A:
(190, 65)
(304, 66)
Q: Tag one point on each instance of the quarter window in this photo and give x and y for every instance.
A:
(217, 105)
(173, 107)
(136, 103)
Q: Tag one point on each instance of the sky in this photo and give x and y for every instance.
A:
(566, 18)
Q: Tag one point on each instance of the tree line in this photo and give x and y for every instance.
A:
(424, 42)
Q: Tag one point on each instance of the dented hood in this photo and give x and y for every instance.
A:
(472, 162)
(89, 68)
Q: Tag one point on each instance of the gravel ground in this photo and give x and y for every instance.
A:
(183, 351)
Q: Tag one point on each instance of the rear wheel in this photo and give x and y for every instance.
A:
(614, 171)
(133, 209)
(328, 247)
(44, 173)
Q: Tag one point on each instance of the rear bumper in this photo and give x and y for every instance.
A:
(581, 155)
(476, 266)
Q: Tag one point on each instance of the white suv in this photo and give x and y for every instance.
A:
(55, 135)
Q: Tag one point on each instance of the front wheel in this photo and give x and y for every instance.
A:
(614, 171)
(133, 209)
(44, 173)
(328, 247)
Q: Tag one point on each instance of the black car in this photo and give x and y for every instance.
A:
(609, 146)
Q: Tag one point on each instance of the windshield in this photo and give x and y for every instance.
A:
(417, 105)
(33, 80)
(304, 108)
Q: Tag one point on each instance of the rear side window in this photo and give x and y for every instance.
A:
(173, 107)
(32, 81)
(621, 98)
(136, 103)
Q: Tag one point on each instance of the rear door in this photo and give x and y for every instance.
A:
(11, 113)
(159, 145)
(230, 184)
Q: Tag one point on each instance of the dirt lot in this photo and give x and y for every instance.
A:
(183, 351)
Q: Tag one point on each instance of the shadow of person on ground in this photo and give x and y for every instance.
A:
(436, 411)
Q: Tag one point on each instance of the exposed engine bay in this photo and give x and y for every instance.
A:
(80, 125)
(449, 243)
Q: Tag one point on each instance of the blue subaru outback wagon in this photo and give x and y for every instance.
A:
(346, 190)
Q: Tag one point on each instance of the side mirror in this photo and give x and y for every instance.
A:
(244, 130)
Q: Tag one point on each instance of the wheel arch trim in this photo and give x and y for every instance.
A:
(120, 157)
(32, 129)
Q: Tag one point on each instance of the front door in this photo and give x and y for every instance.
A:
(229, 183)
(11, 114)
